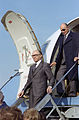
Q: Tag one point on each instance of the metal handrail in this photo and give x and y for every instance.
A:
(64, 75)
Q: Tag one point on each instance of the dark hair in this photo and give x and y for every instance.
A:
(31, 114)
(11, 113)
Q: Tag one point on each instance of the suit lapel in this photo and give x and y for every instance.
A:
(33, 68)
(69, 38)
(38, 68)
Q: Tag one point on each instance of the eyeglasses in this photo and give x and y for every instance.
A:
(63, 29)
(35, 55)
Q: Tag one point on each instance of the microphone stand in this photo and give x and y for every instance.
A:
(16, 74)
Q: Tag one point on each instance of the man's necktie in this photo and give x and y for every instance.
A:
(34, 67)
(64, 38)
(35, 64)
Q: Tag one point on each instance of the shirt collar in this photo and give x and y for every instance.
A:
(67, 34)
(37, 63)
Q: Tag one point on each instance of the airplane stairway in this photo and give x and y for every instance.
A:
(55, 103)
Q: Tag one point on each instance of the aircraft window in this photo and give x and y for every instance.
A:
(44, 46)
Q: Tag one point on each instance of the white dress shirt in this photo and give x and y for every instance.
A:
(37, 63)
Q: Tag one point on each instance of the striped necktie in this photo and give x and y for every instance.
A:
(34, 67)
(64, 38)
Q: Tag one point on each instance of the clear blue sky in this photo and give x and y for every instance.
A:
(45, 17)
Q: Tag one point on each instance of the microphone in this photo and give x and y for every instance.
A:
(19, 70)
(16, 70)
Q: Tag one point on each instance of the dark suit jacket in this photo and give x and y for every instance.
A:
(71, 48)
(37, 80)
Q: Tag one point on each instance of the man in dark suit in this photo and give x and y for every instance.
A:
(68, 43)
(37, 80)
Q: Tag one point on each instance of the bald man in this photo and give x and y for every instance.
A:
(39, 73)
(68, 43)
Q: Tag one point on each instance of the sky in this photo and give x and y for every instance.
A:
(45, 17)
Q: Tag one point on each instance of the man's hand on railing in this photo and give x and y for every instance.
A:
(49, 89)
(53, 64)
(21, 93)
(75, 59)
